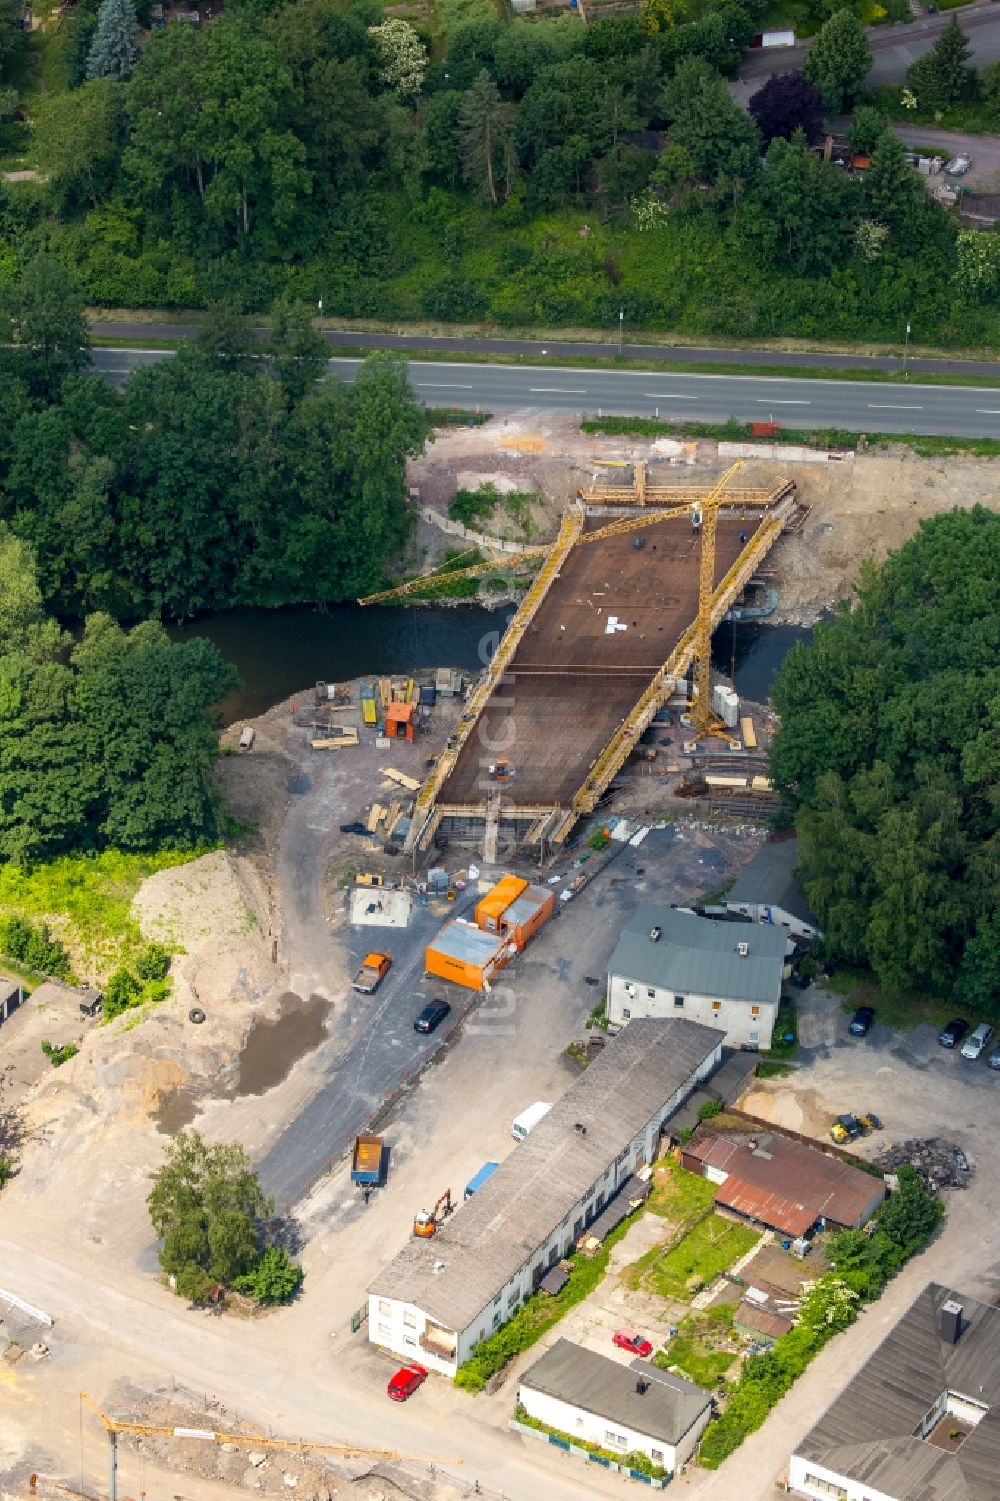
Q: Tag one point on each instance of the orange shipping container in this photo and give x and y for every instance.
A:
(529, 912)
(495, 903)
(464, 954)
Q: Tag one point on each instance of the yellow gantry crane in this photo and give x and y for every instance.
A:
(705, 515)
(114, 1426)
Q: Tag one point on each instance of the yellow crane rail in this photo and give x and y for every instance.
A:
(114, 1426)
(618, 749)
(569, 532)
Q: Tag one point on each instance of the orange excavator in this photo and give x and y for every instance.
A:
(426, 1224)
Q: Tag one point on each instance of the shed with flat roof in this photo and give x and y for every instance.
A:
(463, 953)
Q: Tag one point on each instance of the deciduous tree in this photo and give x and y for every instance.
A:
(786, 103)
(838, 60)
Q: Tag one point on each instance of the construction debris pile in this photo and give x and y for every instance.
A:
(941, 1164)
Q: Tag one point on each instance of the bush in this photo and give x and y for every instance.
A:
(600, 840)
(59, 1055)
(122, 991)
(153, 962)
(6, 1170)
(275, 1279)
(471, 507)
(33, 946)
(710, 1108)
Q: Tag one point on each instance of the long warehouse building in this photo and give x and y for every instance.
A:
(439, 1298)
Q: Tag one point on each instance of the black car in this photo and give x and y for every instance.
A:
(432, 1016)
(353, 828)
(953, 1032)
(862, 1020)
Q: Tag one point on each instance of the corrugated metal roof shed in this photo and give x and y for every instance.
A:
(784, 1183)
(870, 1434)
(696, 955)
(476, 1252)
(665, 1409)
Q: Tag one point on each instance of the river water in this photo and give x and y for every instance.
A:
(281, 652)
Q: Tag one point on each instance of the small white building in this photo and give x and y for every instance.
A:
(629, 1409)
(723, 974)
(438, 1298)
(767, 891)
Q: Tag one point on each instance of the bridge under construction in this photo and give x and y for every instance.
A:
(625, 600)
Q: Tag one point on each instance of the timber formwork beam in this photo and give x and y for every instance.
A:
(568, 533)
(654, 496)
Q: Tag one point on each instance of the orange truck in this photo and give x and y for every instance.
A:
(371, 974)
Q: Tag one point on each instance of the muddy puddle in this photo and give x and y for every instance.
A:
(273, 1047)
(271, 1050)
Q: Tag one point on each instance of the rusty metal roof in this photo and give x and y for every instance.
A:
(784, 1183)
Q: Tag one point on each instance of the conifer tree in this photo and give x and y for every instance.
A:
(116, 42)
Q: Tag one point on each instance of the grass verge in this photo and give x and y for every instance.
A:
(926, 446)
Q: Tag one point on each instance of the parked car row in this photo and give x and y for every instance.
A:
(974, 1046)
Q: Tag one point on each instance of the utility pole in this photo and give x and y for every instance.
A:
(112, 1465)
(906, 350)
(621, 332)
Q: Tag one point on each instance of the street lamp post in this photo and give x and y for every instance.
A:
(906, 351)
(621, 332)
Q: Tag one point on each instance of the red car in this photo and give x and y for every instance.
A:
(627, 1339)
(406, 1381)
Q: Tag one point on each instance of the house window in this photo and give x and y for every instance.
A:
(626, 1013)
(410, 1320)
(753, 1037)
(754, 1010)
(496, 1319)
(716, 1005)
(409, 1341)
(651, 993)
(616, 1440)
(678, 1000)
(826, 1487)
(385, 1307)
(384, 1332)
(656, 1455)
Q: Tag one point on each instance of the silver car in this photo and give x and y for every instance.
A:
(977, 1041)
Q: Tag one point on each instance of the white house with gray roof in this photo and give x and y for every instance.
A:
(768, 891)
(723, 974)
(439, 1298)
(629, 1409)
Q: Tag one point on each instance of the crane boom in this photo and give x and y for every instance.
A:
(701, 716)
(114, 1426)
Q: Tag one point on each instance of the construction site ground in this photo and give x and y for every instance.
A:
(75, 1237)
(861, 506)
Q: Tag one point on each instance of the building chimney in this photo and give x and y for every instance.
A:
(654, 935)
(951, 1321)
(580, 1127)
(743, 949)
(642, 1386)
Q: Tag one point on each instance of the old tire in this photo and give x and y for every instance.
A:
(196, 1015)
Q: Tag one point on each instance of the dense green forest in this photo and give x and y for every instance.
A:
(105, 741)
(476, 166)
(214, 478)
(889, 750)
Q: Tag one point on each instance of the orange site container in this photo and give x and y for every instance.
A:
(463, 953)
(515, 910)
(399, 721)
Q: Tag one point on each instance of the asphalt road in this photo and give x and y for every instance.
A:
(893, 48)
(860, 406)
(582, 349)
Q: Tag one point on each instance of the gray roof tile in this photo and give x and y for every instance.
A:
(697, 955)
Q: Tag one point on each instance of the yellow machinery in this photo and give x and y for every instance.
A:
(114, 1426)
(705, 515)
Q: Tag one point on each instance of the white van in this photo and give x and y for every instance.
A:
(528, 1119)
